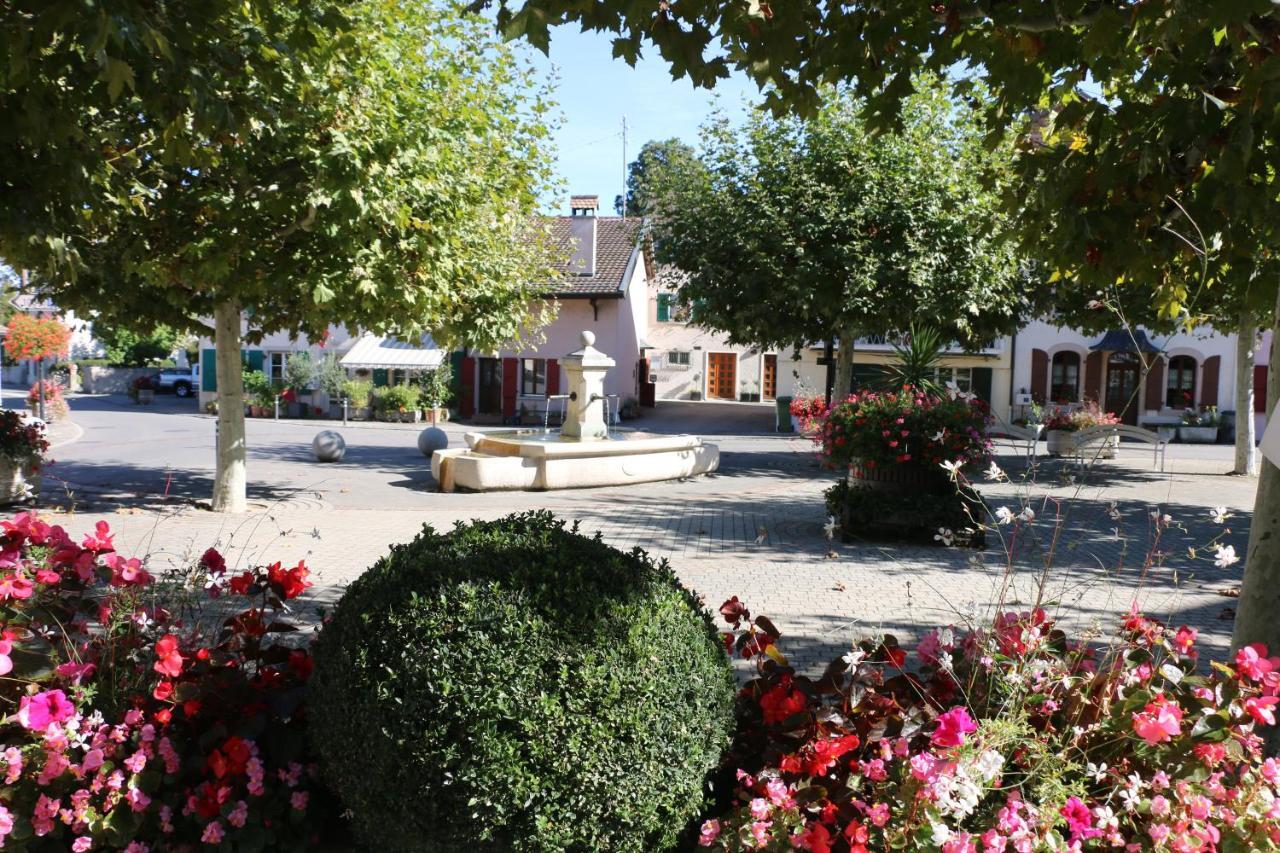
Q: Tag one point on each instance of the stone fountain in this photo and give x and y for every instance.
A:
(582, 453)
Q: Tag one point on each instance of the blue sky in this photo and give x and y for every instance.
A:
(595, 91)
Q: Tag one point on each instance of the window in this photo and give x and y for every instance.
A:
(664, 307)
(533, 377)
(1180, 385)
(275, 364)
(962, 376)
(678, 358)
(1064, 381)
(670, 310)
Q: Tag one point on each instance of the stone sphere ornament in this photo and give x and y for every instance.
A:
(328, 446)
(432, 439)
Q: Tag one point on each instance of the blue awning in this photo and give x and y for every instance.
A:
(1124, 340)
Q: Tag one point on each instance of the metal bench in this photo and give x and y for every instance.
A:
(1022, 438)
(1093, 436)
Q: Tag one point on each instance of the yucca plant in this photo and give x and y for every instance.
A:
(916, 361)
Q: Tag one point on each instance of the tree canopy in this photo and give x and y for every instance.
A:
(789, 230)
(648, 171)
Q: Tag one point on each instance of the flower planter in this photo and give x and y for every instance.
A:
(1167, 432)
(1062, 442)
(1198, 434)
(146, 395)
(899, 479)
(361, 413)
(13, 482)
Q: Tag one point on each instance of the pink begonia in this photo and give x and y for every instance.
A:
(37, 712)
(1262, 709)
(136, 762)
(138, 801)
(1159, 806)
(760, 831)
(1159, 721)
(1253, 663)
(953, 726)
(778, 793)
(6, 648)
(239, 815)
(1079, 819)
(874, 770)
(93, 759)
(760, 808)
(299, 801)
(212, 833)
(6, 823)
(709, 833)
(878, 814)
(924, 767)
(137, 847)
(12, 758)
(81, 844)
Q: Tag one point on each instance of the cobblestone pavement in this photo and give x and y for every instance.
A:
(754, 530)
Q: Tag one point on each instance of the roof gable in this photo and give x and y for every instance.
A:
(616, 242)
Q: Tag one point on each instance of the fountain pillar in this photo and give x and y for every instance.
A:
(584, 371)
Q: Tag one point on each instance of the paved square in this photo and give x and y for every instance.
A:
(754, 530)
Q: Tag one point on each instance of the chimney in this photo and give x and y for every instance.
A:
(582, 228)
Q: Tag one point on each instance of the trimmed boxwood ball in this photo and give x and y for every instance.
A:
(515, 685)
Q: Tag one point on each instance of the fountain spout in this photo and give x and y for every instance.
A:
(585, 370)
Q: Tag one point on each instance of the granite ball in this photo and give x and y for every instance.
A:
(432, 439)
(328, 446)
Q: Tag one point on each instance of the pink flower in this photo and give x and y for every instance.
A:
(212, 833)
(710, 832)
(1184, 641)
(6, 662)
(169, 659)
(953, 726)
(299, 801)
(1079, 819)
(239, 815)
(778, 793)
(15, 586)
(1261, 709)
(760, 808)
(6, 823)
(1253, 663)
(37, 712)
(760, 832)
(99, 540)
(878, 814)
(81, 844)
(924, 767)
(93, 759)
(1159, 721)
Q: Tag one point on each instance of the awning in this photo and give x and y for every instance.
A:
(1121, 340)
(372, 352)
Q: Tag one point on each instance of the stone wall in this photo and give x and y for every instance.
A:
(111, 380)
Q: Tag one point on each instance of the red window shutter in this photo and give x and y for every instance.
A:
(510, 385)
(1093, 377)
(1260, 388)
(467, 387)
(1155, 384)
(1039, 375)
(1209, 381)
(553, 377)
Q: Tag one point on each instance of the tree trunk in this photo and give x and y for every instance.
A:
(1259, 602)
(844, 367)
(1246, 437)
(229, 480)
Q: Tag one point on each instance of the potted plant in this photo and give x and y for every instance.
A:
(330, 375)
(696, 393)
(396, 404)
(435, 390)
(22, 449)
(142, 391)
(750, 394)
(357, 393)
(299, 381)
(1199, 427)
(1062, 425)
(257, 388)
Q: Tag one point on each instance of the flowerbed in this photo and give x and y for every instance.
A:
(1008, 739)
(128, 725)
(905, 427)
(1087, 416)
(22, 442)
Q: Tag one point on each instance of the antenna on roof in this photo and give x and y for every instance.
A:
(624, 167)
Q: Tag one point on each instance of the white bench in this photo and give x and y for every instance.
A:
(1096, 435)
(1022, 438)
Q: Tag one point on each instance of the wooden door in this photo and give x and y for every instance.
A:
(490, 402)
(722, 375)
(770, 389)
(1122, 387)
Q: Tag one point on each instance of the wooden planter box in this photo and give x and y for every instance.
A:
(899, 479)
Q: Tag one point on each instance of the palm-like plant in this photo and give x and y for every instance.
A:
(916, 361)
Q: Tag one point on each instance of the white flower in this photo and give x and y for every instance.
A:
(1130, 799)
(1159, 518)
(995, 473)
(944, 535)
(952, 469)
(1224, 555)
(1219, 514)
(939, 435)
(1004, 515)
(829, 529)
(941, 833)
(853, 658)
(142, 620)
(1097, 771)
(1028, 515)
(1113, 511)
(946, 638)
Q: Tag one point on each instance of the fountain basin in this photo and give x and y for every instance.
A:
(535, 461)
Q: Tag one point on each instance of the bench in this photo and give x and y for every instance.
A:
(1096, 435)
(1022, 438)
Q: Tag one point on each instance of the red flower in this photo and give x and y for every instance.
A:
(241, 583)
(163, 691)
(825, 753)
(213, 562)
(815, 839)
(734, 611)
(169, 660)
(782, 701)
(288, 583)
(896, 655)
(301, 664)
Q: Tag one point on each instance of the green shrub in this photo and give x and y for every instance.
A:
(357, 391)
(514, 685)
(330, 375)
(395, 398)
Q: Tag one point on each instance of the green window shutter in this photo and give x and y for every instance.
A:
(380, 376)
(982, 383)
(664, 307)
(208, 370)
(257, 360)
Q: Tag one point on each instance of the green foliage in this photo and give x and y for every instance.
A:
(791, 230)
(395, 398)
(357, 391)
(330, 375)
(647, 174)
(258, 388)
(435, 390)
(463, 701)
(127, 348)
(299, 371)
(916, 361)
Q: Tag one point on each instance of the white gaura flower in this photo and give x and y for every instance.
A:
(939, 435)
(952, 469)
(1130, 799)
(1224, 555)
(829, 529)
(1219, 514)
(1160, 518)
(1113, 511)
(1004, 515)
(1028, 515)
(944, 535)
(1097, 771)
(853, 658)
(995, 473)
